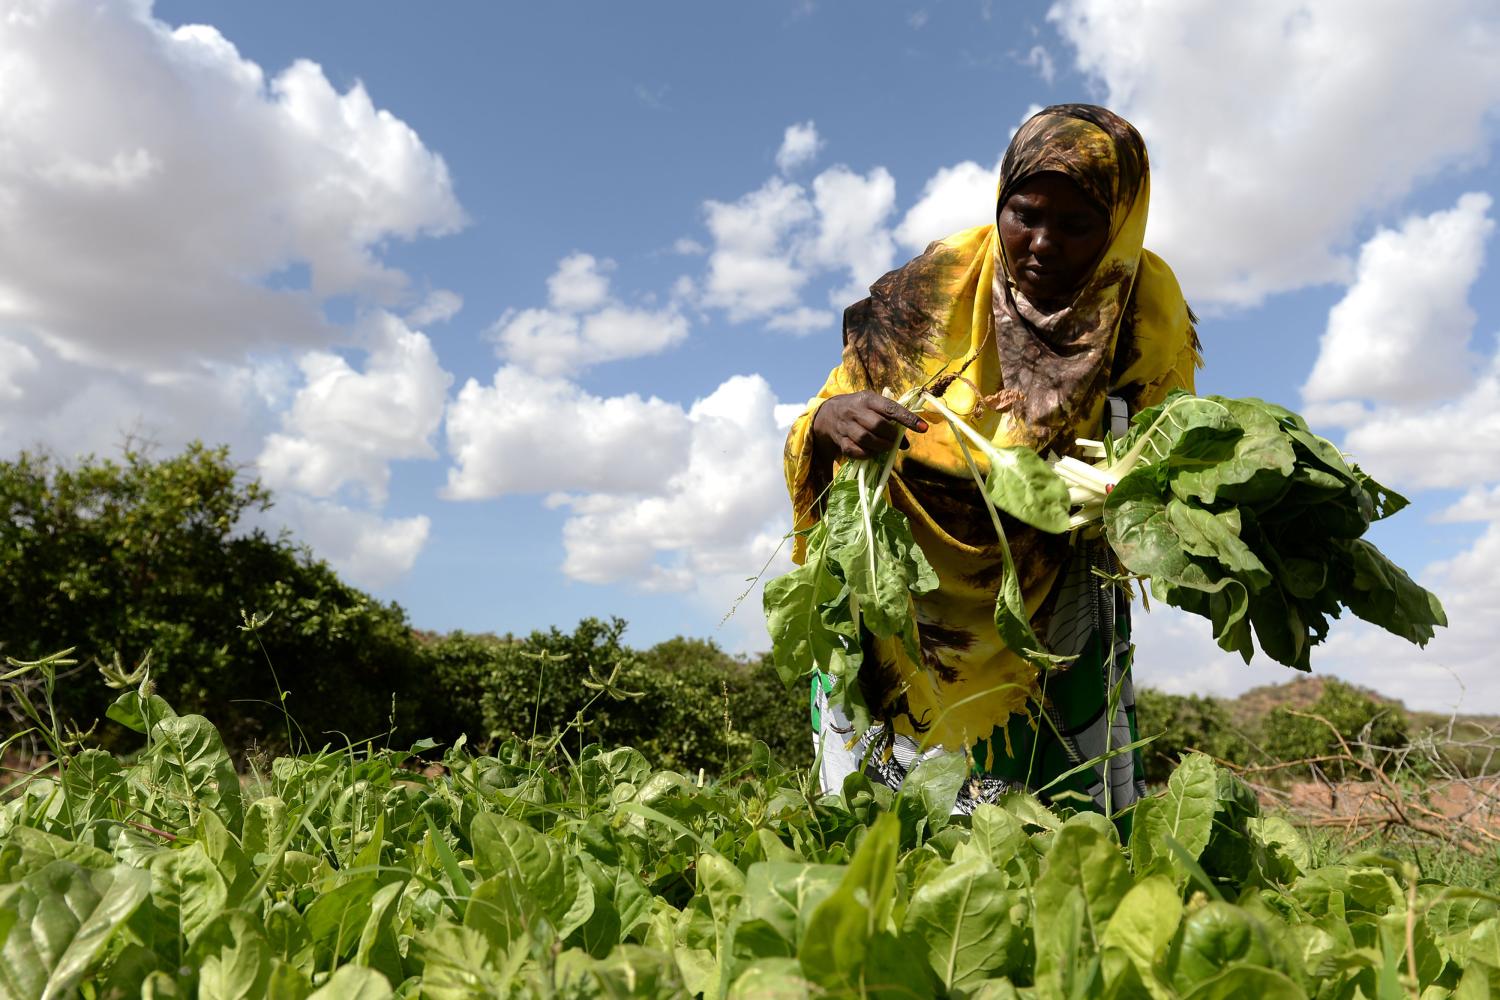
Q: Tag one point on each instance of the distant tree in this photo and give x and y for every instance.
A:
(1185, 722)
(142, 555)
(1368, 726)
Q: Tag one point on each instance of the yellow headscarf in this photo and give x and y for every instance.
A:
(953, 320)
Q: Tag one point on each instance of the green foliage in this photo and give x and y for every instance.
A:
(1241, 514)
(691, 705)
(136, 556)
(1185, 722)
(1366, 726)
(591, 875)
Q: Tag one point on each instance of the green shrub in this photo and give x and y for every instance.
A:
(1369, 727)
(146, 555)
(1185, 722)
(690, 704)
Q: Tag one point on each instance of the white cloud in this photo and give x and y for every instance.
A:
(17, 361)
(799, 147)
(585, 325)
(439, 306)
(658, 496)
(580, 283)
(367, 549)
(688, 247)
(851, 235)
(526, 433)
(954, 198)
(73, 408)
(1478, 504)
(346, 426)
(708, 527)
(804, 320)
(770, 243)
(155, 184)
(1276, 128)
(1450, 445)
(751, 273)
(1040, 60)
(1401, 332)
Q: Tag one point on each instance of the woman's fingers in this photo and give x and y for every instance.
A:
(865, 424)
(894, 411)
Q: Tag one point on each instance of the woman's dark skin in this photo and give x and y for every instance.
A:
(1052, 234)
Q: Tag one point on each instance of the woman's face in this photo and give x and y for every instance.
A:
(1053, 235)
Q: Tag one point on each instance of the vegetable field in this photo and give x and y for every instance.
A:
(545, 869)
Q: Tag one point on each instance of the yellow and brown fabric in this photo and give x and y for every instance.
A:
(953, 320)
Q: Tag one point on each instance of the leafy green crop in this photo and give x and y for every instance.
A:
(526, 872)
(1239, 513)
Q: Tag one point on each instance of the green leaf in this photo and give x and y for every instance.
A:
(233, 959)
(935, 786)
(188, 888)
(63, 918)
(337, 918)
(973, 926)
(1145, 921)
(189, 759)
(800, 640)
(528, 875)
(1084, 878)
(883, 586)
(1284, 854)
(1247, 981)
(780, 897)
(1257, 470)
(772, 977)
(1185, 813)
(1215, 936)
(354, 982)
(850, 942)
(139, 714)
(1023, 485)
(378, 945)
(1384, 595)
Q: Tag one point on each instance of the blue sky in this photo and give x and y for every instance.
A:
(510, 302)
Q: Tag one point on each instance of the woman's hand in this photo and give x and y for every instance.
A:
(860, 425)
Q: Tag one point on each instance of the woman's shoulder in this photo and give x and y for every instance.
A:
(891, 332)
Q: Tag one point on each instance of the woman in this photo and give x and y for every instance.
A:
(1049, 325)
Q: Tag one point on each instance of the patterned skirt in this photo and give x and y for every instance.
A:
(1084, 713)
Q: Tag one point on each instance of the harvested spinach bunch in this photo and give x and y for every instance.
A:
(1235, 510)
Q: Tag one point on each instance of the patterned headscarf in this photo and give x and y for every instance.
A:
(1052, 364)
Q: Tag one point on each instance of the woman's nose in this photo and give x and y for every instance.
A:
(1042, 240)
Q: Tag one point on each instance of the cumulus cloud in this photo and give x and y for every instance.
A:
(708, 527)
(954, 198)
(585, 324)
(1276, 128)
(440, 305)
(527, 433)
(74, 408)
(1401, 332)
(658, 496)
(851, 234)
(367, 549)
(751, 273)
(17, 362)
(156, 189)
(580, 283)
(345, 427)
(799, 147)
(771, 242)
